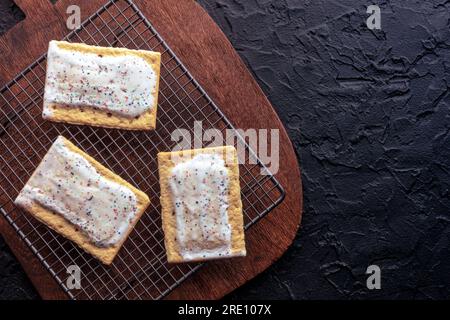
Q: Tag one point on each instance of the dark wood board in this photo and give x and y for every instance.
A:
(211, 59)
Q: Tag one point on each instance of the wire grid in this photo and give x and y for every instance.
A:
(140, 270)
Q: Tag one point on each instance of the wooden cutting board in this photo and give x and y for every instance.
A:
(206, 52)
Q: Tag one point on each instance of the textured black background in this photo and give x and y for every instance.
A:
(368, 114)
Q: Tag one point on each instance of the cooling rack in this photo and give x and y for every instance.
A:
(140, 270)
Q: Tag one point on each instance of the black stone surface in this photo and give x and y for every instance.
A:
(10, 15)
(368, 112)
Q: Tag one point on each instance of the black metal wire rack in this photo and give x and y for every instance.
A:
(140, 271)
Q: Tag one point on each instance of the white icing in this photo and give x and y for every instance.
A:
(118, 84)
(68, 185)
(199, 188)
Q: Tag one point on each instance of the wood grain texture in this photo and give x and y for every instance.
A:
(211, 59)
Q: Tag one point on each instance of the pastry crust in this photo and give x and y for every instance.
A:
(235, 216)
(67, 229)
(101, 118)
